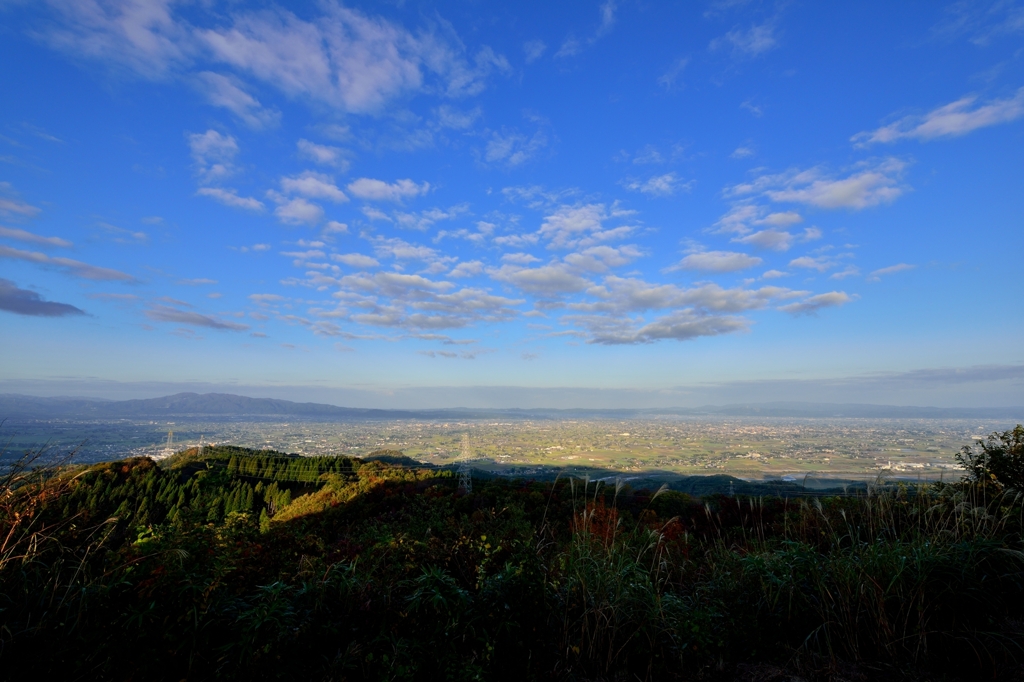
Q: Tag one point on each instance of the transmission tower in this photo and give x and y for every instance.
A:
(464, 471)
(170, 439)
(201, 445)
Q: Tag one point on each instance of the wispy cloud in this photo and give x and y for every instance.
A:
(226, 92)
(683, 325)
(670, 78)
(313, 185)
(718, 261)
(811, 306)
(572, 45)
(24, 302)
(877, 275)
(299, 211)
(71, 267)
(213, 154)
(230, 197)
(324, 154)
(533, 50)
(512, 147)
(356, 260)
(665, 185)
(32, 238)
(13, 207)
(951, 120)
(339, 57)
(867, 184)
(378, 190)
(163, 313)
(749, 42)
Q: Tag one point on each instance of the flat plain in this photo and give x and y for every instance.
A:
(751, 448)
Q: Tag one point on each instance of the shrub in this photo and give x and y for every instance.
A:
(998, 460)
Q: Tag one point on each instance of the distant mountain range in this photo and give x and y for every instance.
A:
(225, 405)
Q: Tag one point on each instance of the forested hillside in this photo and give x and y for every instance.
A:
(242, 564)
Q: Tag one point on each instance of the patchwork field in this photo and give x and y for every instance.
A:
(746, 447)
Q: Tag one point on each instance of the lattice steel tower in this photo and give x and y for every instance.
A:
(464, 471)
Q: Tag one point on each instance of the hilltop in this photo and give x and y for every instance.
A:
(231, 563)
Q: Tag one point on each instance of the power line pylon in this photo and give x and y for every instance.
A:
(464, 471)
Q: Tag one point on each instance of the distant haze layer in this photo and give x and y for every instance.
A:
(227, 405)
(979, 386)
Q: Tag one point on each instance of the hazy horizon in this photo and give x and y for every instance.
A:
(877, 390)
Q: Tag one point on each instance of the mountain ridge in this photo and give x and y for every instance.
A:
(231, 405)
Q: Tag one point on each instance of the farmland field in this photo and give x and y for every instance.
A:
(745, 447)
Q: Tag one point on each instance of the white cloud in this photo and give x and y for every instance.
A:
(755, 109)
(877, 275)
(344, 58)
(621, 296)
(355, 260)
(742, 152)
(602, 258)
(582, 225)
(467, 269)
(659, 185)
(810, 306)
(533, 50)
(783, 219)
(450, 117)
(774, 240)
(225, 92)
(323, 154)
(414, 302)
(573, 46)
(951, 120)
(519, 258)
(142, 36)
(11, 206)
(314, 186)
(403, 250)
(718, 261)
(752, 42)
(213, 154)
(869, 184)
(648, 155)
(820, 263)
(32, 238)
(339, 57)
(71, 267)
(671, 76)
(378, 190)
(424, 220)
(230, 198)
(744, 216)
(333, 227)
(774, 274)
(546, 280)
(848, 271)
(682, 325)
(513, 147)
(297, 211)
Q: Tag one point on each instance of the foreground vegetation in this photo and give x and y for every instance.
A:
(247, 564)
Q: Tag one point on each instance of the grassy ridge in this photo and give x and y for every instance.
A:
(256, 565)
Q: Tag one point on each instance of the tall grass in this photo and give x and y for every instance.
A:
(406, 578)
(904, 576)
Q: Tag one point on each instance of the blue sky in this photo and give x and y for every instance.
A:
(519, 203)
